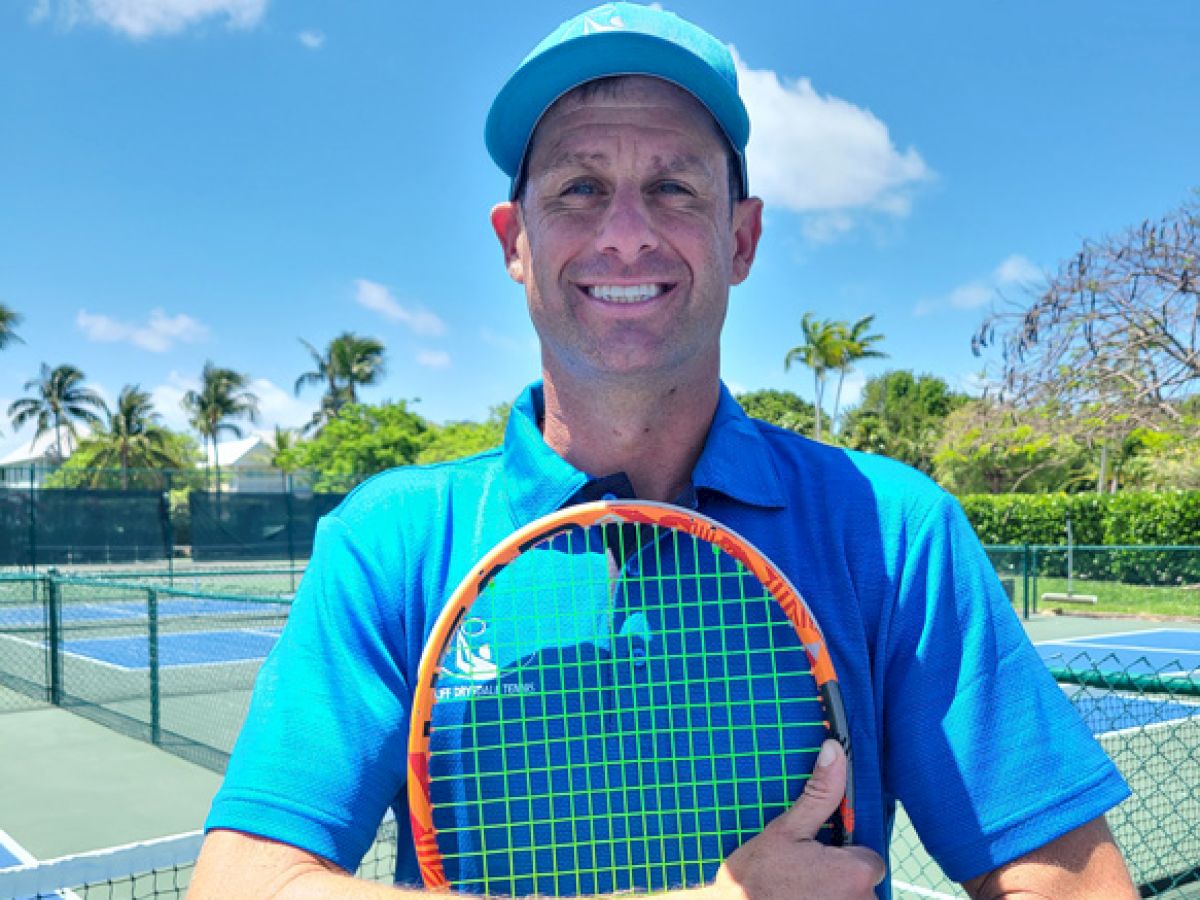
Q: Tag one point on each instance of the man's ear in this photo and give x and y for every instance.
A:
(510, 230)
(747, 229)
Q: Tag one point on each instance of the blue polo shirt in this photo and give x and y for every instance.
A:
(951, 711)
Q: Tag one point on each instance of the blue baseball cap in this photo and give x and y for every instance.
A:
(616, 39)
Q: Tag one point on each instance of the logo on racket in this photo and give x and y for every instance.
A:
(465, 662)
(469, 667)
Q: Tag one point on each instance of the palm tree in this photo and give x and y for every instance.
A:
(59, 400)
(854, 343)
(348, 361)
(282, 444)
(820, 352)
(8, 321)
(222, 398)
(132, 437)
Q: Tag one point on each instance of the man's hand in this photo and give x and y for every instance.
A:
(786, 861)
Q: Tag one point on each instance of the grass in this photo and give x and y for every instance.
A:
(1117, 597)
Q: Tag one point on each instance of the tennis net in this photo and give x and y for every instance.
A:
(159, 869)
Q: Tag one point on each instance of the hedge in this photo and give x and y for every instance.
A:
(1165, 519)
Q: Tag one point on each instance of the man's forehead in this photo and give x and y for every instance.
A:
(586, 125)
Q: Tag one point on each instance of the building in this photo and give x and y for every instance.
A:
(245, 466)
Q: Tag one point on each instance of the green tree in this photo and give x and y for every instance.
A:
(854, 343)
(222, 399)
(362, 440)
(173, 455)
(282, 442)
(132, 438)
(782, 408)
(59, 401)
(820, 353)
(455, 440)
(992, 449)
(901, 416)
(9, 320)
(349, 360)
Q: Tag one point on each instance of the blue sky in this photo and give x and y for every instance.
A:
(183, 180)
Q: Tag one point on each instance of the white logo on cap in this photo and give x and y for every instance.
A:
(591, 26)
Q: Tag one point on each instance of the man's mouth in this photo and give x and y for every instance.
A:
(625, 293)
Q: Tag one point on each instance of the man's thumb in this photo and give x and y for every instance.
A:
(822, 794)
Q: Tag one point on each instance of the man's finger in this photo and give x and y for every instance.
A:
(821, 796)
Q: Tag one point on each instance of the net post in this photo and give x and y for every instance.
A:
(152, 636)
(33, 555)
(290, 508)
(1025, 579)
(168, 527)
(54, 638)
(1033, 564)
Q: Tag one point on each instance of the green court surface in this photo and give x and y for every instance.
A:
(70, 785)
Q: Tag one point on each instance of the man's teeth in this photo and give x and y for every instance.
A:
(634, 293)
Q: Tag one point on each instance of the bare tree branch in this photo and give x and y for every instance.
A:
(1113, 337)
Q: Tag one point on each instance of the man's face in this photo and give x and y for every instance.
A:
(625, 239)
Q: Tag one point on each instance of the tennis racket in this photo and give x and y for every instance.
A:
(614, 699)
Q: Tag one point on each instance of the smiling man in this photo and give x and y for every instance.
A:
(628, 222)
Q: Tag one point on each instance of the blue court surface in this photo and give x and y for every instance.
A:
(1165, 652)
(188, 648)
(33, 615)
(12, 853)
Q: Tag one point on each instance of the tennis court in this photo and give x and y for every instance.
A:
(171, 662)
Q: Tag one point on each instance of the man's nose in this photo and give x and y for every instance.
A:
(627, 229)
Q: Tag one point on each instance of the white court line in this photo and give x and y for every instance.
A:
(906, 888)
(13, 846)
(1189, 651)
(1104, 634)
(171, 667)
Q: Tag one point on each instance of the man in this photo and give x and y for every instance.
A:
(628, 223)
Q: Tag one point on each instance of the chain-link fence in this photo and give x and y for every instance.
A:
(72, 518)
(171, 658)
(1150, 727)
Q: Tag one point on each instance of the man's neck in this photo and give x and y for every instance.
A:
(652, 434)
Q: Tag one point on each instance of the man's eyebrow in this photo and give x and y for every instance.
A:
(569, 159)
(676, 164)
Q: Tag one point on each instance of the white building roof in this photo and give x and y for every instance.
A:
(42, 447)
(249, 451)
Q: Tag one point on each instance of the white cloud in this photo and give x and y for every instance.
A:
(1015, 271)
(158, 335)
(168, 398)
(378, 298)
(822, 156)
(276, 406)
(433, 359)
(311, 38)
(140, 19)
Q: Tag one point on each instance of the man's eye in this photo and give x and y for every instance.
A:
(581, 189)
(671, 187)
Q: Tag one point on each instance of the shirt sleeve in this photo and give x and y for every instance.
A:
(322, 752)
(982, 747)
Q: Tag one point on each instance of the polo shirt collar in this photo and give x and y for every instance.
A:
(736, 461)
